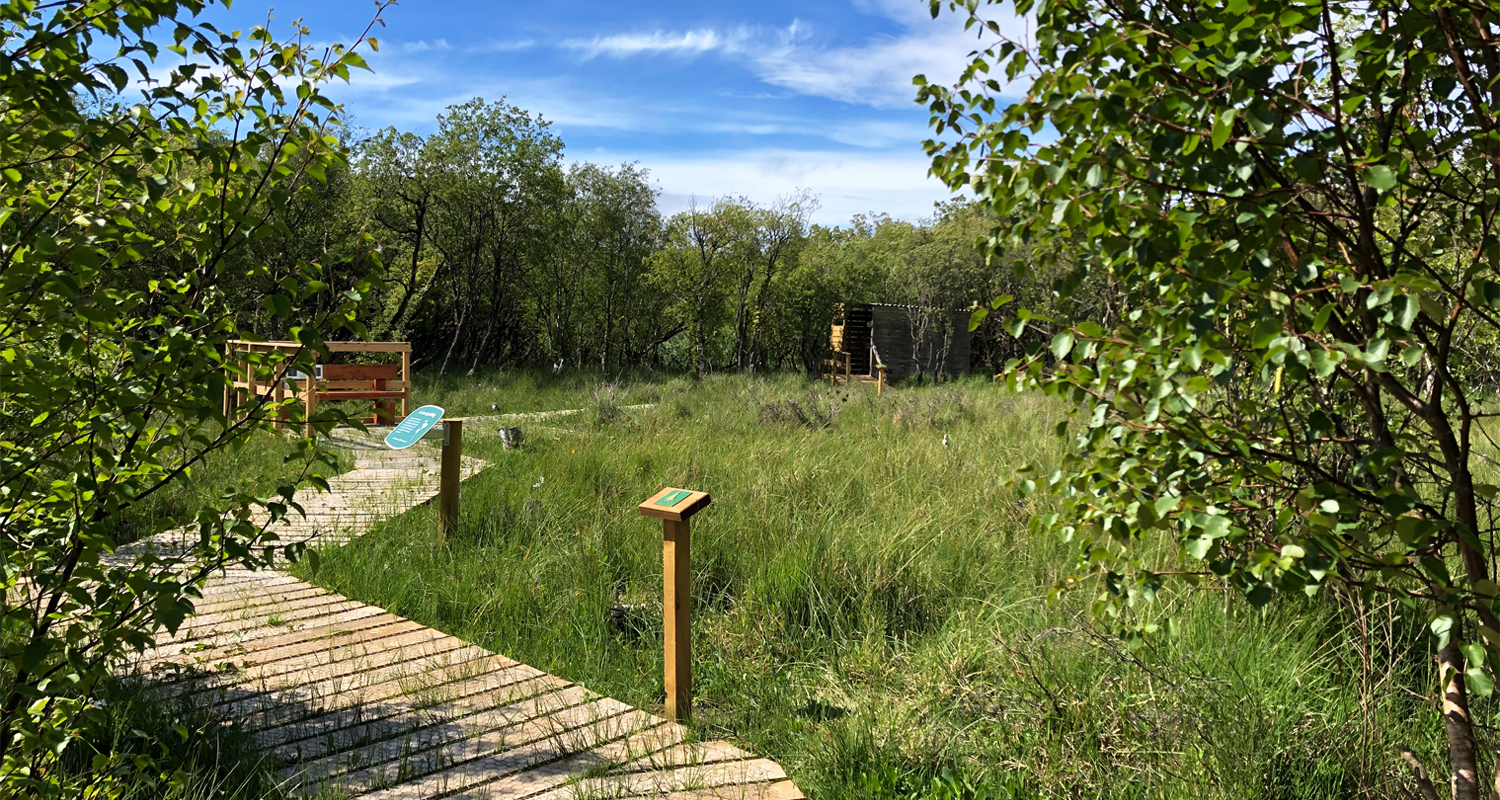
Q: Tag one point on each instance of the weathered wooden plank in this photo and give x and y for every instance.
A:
(780, 790)
(252, 601)
(730, 775)
(233, 631)
(682, 755)
(300, 682)
(433, 744)
(319, 659)
(392, 688)
(558, 753)
(314, 736)
(579, 759)
(356, 372)
(196, 651)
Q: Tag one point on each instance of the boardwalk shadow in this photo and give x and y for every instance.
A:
(429, 718)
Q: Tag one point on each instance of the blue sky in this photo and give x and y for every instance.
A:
(714, 98)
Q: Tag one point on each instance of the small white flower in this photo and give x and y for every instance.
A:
(539, 481)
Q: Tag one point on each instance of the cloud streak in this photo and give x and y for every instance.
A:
(846, 183)
(685, 43)
(876, 72)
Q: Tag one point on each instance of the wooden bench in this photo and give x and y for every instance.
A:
(381, 383)
(341, 382)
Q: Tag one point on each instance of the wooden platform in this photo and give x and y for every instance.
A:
(350, 699)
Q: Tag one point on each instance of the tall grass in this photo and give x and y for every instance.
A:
(524, 389)
(167, 747)
(871, 607)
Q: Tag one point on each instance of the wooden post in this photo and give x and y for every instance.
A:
(677, 617)
(848, 368)
(279, 395)
(229, 384)
(879, 379)
(674, 507)
(450, 474)
(406, 380)
(251, 392)
(312, 402)
(385, 410)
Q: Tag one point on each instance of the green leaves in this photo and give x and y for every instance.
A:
(1223, 127)
(121, 299)
(1281, 343)
(278, 304)
(1062, 344)
(1381, 177)
(1477, 678)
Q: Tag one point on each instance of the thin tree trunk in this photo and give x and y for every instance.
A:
(1462, 752)
(700, 339)
(609, 318)
(458, 332)
(484, 345)
(741, 330)
(760, 310)
(416, 256)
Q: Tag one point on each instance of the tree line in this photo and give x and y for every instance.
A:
(494, 250)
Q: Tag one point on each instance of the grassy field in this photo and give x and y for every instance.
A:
(870, 605)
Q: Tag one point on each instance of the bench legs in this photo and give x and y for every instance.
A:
(385, 410)
(312, 408)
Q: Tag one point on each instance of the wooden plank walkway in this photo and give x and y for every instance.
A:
(349, 699)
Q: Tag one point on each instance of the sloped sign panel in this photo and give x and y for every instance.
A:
(410, 431)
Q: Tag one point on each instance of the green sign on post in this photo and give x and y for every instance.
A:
(410, 431)
(673, 498)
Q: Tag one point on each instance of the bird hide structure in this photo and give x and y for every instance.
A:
(909, 341)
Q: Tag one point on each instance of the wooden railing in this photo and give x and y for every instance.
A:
(381, 383)
(836, 360)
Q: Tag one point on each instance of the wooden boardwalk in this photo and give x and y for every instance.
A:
(351, 700)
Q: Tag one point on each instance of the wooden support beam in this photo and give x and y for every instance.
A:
(279, 395)
(677, 619)
(406, 382)
(674, 507)
(252, 388)
(310, 388)
(450, 475)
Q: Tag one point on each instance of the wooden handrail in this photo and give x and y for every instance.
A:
(246, 380)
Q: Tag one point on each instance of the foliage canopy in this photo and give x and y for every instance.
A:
(132, 193)
(1297, 203)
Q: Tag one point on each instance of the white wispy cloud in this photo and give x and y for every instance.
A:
(876, 72)
(684, 43)
(422, 46)
(502, 46)
(562, 100)
(845, 183)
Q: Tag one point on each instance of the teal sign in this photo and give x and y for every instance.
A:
(410, 431)
(673, 498)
